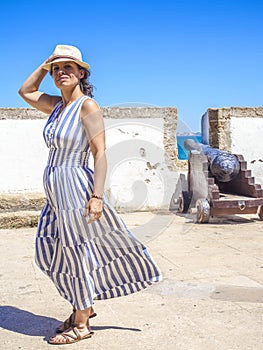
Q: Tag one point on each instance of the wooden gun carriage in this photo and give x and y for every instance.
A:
(204, 195)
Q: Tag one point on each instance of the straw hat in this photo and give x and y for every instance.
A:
(65, 53)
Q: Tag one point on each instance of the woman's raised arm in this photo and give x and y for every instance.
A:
(37, 99)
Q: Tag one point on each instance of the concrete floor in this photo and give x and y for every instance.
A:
(210, 298)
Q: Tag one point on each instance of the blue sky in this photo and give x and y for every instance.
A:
(189, 54)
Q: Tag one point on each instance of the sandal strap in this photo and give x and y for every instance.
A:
(70, 338)
(69, 321)
(67, 335)
(76, 331)
(66, 324)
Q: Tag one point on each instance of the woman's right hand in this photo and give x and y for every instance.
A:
(94, 209)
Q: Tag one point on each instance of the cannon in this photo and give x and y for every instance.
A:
(223, 165)
(218, 183)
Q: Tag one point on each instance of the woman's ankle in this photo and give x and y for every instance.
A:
(82, 318)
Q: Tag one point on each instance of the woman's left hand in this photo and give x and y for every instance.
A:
(94, 209)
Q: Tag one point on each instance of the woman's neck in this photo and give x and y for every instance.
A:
(69, 96)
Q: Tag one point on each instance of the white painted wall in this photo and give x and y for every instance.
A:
(22, 155)
(138, 177)
(247, 139)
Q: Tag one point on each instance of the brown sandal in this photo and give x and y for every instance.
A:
(69, 322)
(70, 338)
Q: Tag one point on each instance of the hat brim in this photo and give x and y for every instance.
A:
(47, 66)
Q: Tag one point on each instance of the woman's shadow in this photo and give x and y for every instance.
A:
(25, 322)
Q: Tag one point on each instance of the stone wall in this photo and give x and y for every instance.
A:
(143, 165)
(237, 130)
(141, 151)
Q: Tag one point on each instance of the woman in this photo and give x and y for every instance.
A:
(82, 244)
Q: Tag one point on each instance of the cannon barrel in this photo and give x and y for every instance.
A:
(223, 165)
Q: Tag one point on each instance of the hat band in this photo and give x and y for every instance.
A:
(70, 57)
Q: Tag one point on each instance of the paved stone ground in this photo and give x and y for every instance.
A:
(210, 298)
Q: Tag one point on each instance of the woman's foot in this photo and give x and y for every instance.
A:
(79, 331)
(72, 335)
(69, 322)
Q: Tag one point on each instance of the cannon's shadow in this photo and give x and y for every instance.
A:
(233, 220)
(220, 220)
(25, 322)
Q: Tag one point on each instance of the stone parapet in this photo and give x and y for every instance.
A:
(21, 114)
(23, 218)
(220, 129)
(14, 202)
(145, 137)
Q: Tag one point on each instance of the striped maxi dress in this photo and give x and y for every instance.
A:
(86, 262)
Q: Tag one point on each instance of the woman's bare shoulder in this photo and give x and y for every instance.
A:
(89, 106)
(90, 103)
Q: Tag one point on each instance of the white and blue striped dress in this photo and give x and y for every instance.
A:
(86, 262)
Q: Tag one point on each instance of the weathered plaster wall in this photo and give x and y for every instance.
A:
(239, 131)
(141, 152)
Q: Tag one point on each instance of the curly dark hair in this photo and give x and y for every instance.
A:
(85, 85)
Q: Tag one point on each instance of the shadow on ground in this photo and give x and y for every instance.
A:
(25, 322)
(217, 220)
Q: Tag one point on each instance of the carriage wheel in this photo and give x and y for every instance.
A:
(203, 210)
